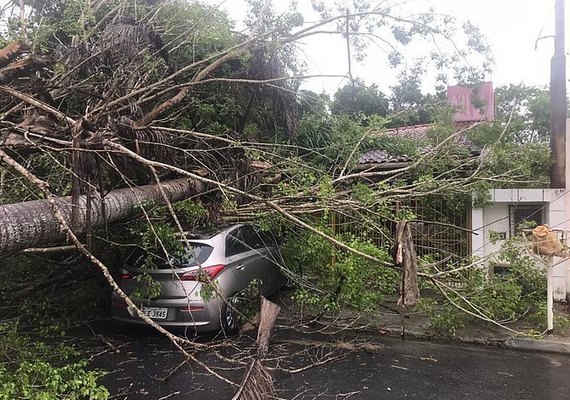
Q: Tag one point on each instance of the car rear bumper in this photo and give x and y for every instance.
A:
(180, 313)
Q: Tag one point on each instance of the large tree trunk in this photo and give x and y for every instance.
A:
(32, 223)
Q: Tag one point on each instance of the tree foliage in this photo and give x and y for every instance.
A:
(522, 117)
(510, 295)
(356, 99)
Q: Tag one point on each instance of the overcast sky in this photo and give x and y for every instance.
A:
(511, 27)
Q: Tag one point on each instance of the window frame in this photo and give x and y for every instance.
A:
(535, 210)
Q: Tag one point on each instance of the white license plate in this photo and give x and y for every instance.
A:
(155, 312)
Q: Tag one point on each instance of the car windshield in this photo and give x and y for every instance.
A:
(195, 254)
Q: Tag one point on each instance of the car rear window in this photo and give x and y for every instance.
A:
(247, 238)
(196, 254)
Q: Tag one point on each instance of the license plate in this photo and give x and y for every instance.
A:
(155, 312)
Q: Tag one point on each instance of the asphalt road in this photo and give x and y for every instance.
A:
(143, 365)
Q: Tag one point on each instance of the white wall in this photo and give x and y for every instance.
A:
(566, 213)
(496, 218)
(557, 215)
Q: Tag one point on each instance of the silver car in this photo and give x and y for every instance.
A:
(228, 262)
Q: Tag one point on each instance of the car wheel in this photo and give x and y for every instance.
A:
(230, 317)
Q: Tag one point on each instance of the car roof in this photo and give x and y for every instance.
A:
(210, 232)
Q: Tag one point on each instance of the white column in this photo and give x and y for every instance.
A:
(549, 296)
(566, 224)
(478, 235)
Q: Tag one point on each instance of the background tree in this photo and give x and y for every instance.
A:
(408, 103)
(358, 100)
(526, 110)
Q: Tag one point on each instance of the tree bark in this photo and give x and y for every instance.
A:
(406, 258)
(24, 67)
(257, 383)
(32, 223)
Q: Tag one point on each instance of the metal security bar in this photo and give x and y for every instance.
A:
(438, 231)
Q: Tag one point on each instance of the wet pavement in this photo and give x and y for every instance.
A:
(142, 364)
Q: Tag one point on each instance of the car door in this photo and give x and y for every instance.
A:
(270, 260)
(240, 259)
(248, 256)
(266, 262)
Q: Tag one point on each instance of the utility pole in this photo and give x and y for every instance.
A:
(558, 101)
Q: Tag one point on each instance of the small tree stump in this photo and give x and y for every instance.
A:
(257, 383)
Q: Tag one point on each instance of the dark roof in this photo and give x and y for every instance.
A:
(382, 156)
(415, 132)
(379, 157)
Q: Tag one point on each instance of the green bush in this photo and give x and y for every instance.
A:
(40, 380)
(35, 370)
(518, 292)
(340, 278)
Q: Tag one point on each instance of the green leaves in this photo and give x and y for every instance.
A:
(341, 279)
(357, 98)
(190, 212)
(516, 290)
(40, 380)
(522, 117)
(31, 369)
(519, 165)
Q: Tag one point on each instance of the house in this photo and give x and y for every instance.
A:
(440, 232)
(441, 241)
(507, 208)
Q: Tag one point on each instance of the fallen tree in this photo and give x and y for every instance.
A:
(32, 223)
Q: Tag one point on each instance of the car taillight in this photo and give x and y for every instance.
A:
(191, 309)
(125, 275)
(199, 274)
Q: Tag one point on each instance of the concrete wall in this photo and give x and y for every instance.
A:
(566, 213)
(495, 218)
